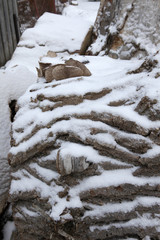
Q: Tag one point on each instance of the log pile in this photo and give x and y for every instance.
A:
(85, 161)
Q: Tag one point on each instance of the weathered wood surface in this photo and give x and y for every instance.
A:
(126, 28)
(4, 183)
(9, 29)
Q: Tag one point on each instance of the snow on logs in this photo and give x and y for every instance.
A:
(85, 161)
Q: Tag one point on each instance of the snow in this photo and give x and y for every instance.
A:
(78, 126)
(64, 34)
(85, 10)
(29, 212)
(97, 46)
(8, 229)
(47, 174)
(145, 33)
(143, 221)
(121, 207)
(52, 156)
(113, 178)
(91, 155)
(14, 82)
(122, 85)
(27, 182)
(73, 32)
(52, 32)
(55, 33)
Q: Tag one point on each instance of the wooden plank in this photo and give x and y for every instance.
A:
(15, 8)
(16, 22)
(3, 31)
(10, 9)
(2, 55)
(8, 28)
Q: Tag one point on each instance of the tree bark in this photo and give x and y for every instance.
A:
(126, 28)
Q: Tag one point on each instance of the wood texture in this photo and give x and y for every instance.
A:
(9, 29)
